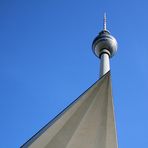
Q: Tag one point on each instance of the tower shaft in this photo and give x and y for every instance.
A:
(104, 64)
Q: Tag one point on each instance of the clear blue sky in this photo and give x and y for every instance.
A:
(46, 62)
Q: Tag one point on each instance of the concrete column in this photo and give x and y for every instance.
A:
(104, 64)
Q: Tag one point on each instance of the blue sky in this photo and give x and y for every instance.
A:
(46, 62)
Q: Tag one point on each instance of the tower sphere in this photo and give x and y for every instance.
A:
(104, 43)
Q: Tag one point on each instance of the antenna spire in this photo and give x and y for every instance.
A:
(104, 22)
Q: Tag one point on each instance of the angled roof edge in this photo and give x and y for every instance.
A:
(52, 121)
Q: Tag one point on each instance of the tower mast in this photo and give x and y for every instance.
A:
(104, 47)
(104, 21)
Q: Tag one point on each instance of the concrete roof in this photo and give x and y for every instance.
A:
(86, 123)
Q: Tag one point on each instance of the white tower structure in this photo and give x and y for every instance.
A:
(88, 122)
(104, 47)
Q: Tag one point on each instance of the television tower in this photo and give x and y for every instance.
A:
(104, 46)
(88, 122)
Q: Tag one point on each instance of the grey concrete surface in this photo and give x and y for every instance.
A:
(86, 123)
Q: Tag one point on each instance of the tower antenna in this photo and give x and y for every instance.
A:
(104, 22)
